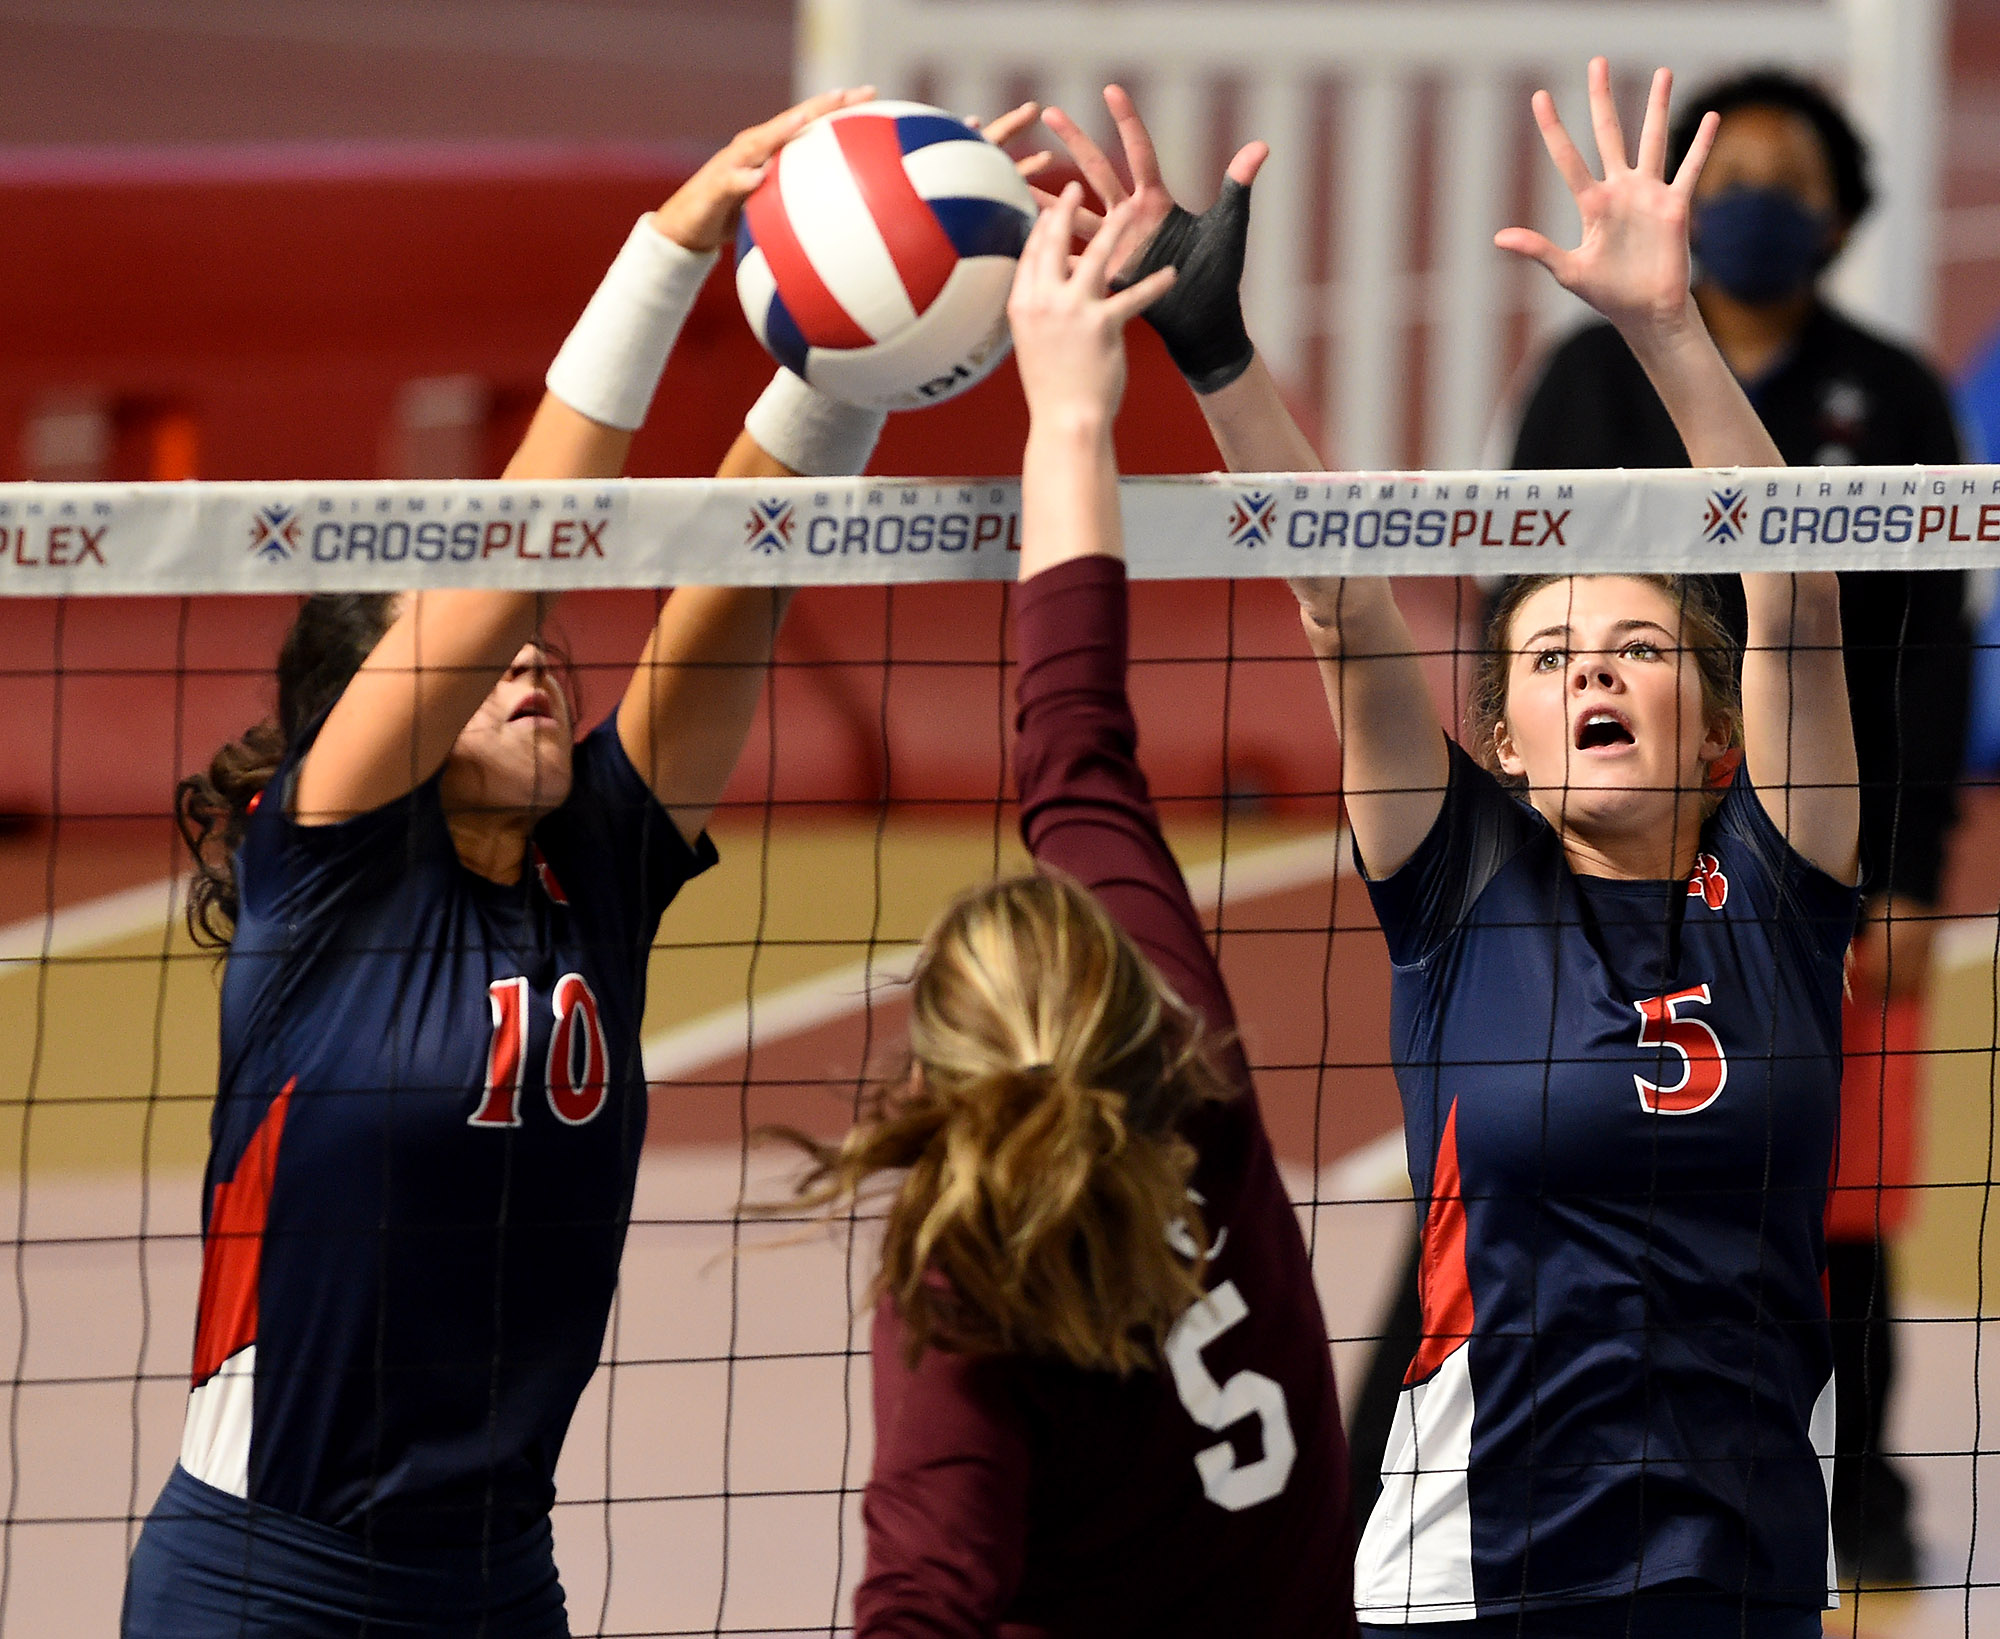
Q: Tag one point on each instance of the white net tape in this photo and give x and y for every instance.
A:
(393, 535)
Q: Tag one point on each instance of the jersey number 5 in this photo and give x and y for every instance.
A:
(1217, 1405)
(1704, 1067)
(577, 1057)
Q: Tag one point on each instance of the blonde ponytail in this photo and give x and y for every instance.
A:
(1043, 1207)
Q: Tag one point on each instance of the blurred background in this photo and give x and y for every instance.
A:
(247, 239)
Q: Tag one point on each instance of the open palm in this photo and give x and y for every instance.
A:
(1631, 262)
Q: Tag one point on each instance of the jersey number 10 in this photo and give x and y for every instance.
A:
(577, 1057)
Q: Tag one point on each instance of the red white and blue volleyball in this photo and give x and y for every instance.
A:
(875, 257)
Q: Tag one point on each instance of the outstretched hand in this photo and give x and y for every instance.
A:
(1202, 320)
(1631, 263)
(702, 214)
(1068, 323)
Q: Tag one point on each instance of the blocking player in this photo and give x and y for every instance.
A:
(1103, 1398)
(1616, 1006)
(438, 912)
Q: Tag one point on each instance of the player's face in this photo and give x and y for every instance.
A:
(514, 753)
(1604, 710)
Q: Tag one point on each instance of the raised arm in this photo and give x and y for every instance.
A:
(1632, 266)
(688, 709)
(1394, 764)
(399, 717)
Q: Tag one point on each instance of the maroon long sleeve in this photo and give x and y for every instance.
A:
(1020, 1497)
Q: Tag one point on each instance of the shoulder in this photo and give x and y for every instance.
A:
(1740, 836)
(1480, 829)
(611, 819)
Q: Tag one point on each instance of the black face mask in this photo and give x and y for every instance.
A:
(1760, 244)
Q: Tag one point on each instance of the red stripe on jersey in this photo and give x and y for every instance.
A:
(232, 1253)
(917, 243)
(1442, 1283)
(814, 308)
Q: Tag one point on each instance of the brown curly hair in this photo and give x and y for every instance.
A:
(331, 636)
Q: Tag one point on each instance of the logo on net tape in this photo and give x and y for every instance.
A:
(1725, 519)
(770, 526)
(422, 529)
(1254, 519)
(274, 533)
(888, 522)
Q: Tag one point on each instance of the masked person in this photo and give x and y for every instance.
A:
(1781, 194)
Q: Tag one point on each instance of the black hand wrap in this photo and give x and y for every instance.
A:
(1201, 318)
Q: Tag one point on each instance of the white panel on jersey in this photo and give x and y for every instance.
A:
(1415, 1562)
(1821, 1429)
(215, 1444)
(754, 288)
(839, 236)
(968, 170)
(936, 354)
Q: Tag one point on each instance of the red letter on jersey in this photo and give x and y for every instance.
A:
(1701, 1083)
(576, 1090)
(506, 1055)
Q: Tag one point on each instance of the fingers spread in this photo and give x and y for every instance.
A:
(1094, 265)
(1569, 163)
(1087, 222)
(1132, 132)
(1047, 250)
(1697, 154)
(1653, 133)
(1135, 299)
(1097, 170)
(760, 142)
(1011, 124)
(1248, 162)
(1604, 118)
(1536, 247)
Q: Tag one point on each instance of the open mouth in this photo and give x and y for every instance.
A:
(1599, 728)
(534, 705)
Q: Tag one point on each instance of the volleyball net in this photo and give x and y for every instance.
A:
(710, 1481)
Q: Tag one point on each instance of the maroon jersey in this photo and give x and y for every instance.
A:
(1021, 1497)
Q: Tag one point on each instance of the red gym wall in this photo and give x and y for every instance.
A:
(242, 318)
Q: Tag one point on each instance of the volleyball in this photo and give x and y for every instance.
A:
(875, 257)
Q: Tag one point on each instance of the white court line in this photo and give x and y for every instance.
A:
(810, 1003)
(1965, 941)
(1377, 1170)
(90, 923)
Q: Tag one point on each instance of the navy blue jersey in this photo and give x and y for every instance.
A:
(1620, 1101)
(423, 1155)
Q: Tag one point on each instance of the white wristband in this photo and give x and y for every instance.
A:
(611, 363)
(816, 436)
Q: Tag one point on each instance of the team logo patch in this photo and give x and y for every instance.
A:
(1724, 519)
(769, 526)
(547, 878)
(1254, 520)
(1708, 884)
(274, 534)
